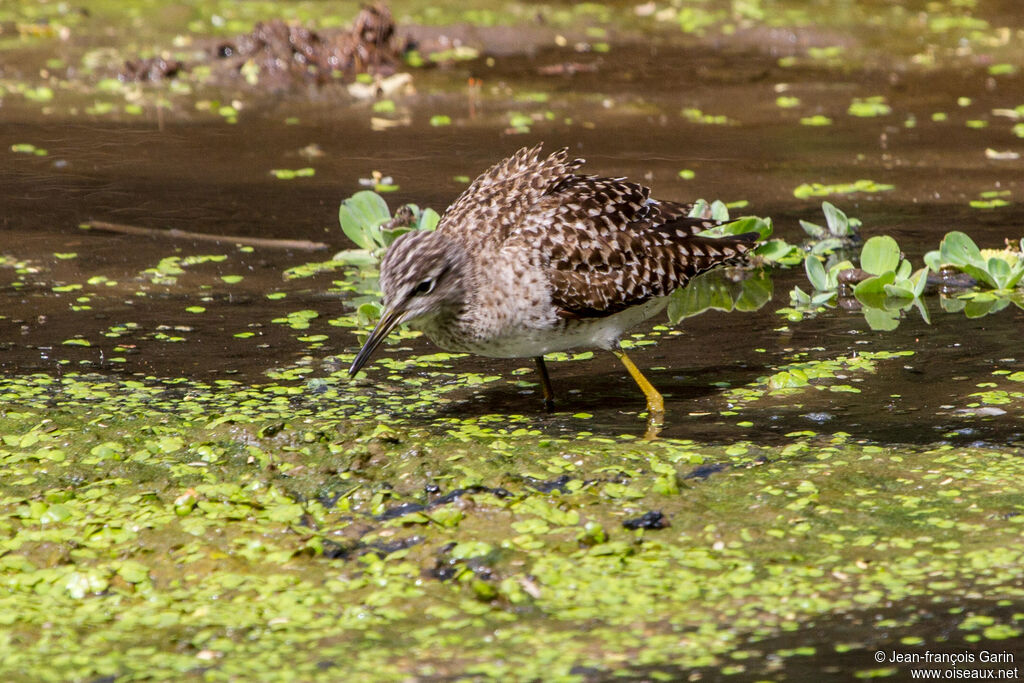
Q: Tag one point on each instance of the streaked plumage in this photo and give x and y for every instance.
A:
(534, 258)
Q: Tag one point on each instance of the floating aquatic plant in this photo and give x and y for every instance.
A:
(771, 251)
(892, 287)
(991, 199)
(28, 148)
(840, 231)
(884, 286)
(806, 190)
(891, 274)
(1000, 269)
(999, 272)
(887, 285)
(366, 220)
(825, 283)
(867, 107)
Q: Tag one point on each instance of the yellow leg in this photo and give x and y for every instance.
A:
(655, 403)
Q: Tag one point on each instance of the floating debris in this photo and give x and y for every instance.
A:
(150, 69)
(277, 54)
(649, 520)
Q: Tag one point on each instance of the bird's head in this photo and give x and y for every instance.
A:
(422, 276)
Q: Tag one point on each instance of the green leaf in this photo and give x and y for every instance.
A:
(762, 226)
(799, 297)
(1000, 272)
(880, 255)
(369, 312)
(55, 513)
(923, 310)
(813, 230)
(389, 236)
(468, 549)
(361, 215)
(822, 298)
(447, 517)
(871, 292)
(978, 307)
(133, 572)
(919, 280)
(1016, 275)
(755, 292)
(816, 273)
(901, 290)
(979, 273)
(287, 513)
(903, 271)
(356, 257)
(708, 291)
(869, 106)
(952, 305)
(779, 251)
(958, 249)
(428, 220)
(719, 211)
(838, 223)
(787, 379)
(880, 319)
(714, 291)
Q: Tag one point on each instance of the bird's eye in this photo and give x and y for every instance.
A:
(425, 287)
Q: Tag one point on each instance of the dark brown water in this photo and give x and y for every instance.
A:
(182, 169)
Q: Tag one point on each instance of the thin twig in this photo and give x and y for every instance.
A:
(304, 245)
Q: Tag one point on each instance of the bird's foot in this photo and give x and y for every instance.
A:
(655, 401)
(545, 384)
(655, 421)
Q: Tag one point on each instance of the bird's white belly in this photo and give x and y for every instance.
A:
(526, 341)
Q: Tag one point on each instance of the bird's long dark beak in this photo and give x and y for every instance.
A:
(387, 322)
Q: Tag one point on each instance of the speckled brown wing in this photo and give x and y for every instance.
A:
(606, 246)
(666, 211)
(639, 264)
(526, 191)
(603, 242)
(495, 204)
